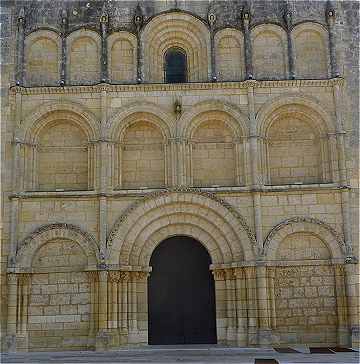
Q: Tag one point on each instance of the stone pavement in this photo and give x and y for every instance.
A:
(184, 354)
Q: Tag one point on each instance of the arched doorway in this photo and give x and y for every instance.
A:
(181, 294)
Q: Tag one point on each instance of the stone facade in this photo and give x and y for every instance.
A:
(254, 157)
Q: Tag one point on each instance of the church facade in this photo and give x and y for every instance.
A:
(179, 172)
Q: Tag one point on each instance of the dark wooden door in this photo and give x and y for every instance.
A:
(181, 294)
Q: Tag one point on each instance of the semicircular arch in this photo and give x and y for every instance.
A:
(32, 243)
(310, 107)
(180, 229)
(299, 224)
(121, 119)
(176, 28)
(169, 208)
(237, 121)
(47, 112)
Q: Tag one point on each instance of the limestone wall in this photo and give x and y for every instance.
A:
(256, 166)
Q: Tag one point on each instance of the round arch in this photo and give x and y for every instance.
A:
(216, 224)
(333, 240)
(122, 118)
(47, 112)
(32, 243)
(237, 121)
(184, 30)
(310, 106)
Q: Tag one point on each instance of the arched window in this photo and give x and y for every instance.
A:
(175, 66)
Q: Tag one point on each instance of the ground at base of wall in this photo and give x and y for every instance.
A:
(192, 354)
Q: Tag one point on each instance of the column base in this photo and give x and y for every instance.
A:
(10, 341)
(231, 336)
(355, 337)
(266, 337)
(242, 337)
(343, 336)
(102, 341)
(22, 342)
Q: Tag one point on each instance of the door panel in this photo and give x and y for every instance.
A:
(181, 294)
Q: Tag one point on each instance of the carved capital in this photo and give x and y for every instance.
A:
(229, 274)
(339, 269)
(219, 274)
(124, 276)
(139, 276)
(239, 273)
(12, 278)
(103, 275)
(24, 278)
(114, 276)
(93, 276)
(250, 272)
(270, 272)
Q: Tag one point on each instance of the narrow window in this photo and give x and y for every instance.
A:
(175, 66)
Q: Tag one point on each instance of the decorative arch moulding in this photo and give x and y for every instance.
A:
(146, 87)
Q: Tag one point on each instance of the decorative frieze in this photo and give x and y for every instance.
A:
(175, 87)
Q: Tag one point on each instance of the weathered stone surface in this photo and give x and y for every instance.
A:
(97, 173)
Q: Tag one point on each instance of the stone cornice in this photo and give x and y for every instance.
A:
(148, 87)
(141, 192)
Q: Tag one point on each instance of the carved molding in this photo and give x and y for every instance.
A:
(149, 196)
(303, 219)
(173, 87)
(59, 230)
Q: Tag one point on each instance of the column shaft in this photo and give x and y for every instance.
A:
(352, 296)
(133, 303)
(220, 303)
(103, 300)
(124, 301)
(343, 335)
(230, 305)
(250, 273)
(248, 50)
(20, 49)
(241, 307)
(262, 297)
(114, 310)
(12, 281)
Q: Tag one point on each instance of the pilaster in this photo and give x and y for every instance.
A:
(220, 304)
(250, 274)
(352, 296)
(12, 298)
(340, 133)
(241, 307)
(341, 305)
(264, 331)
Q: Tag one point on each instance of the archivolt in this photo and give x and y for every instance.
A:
(310, 106)
(236, 119)
(325, 232)
(37, 119)
(212, 221)
(30, 245)
(120, 119)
